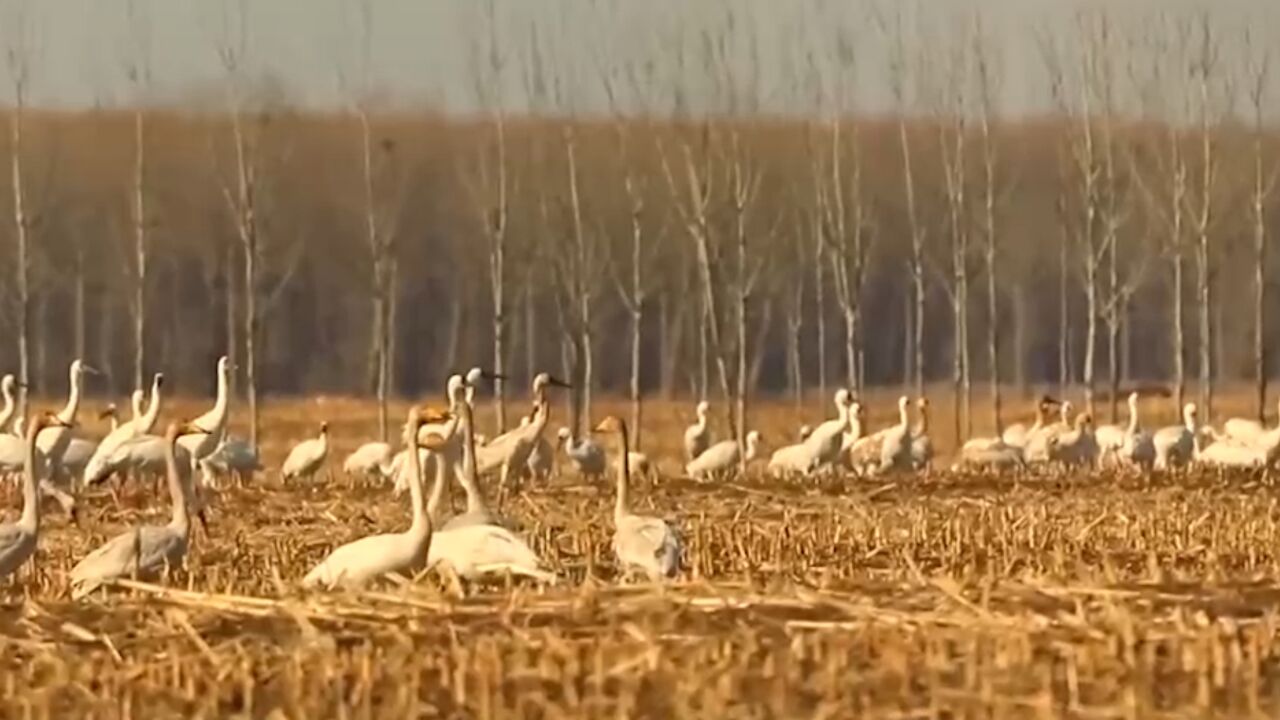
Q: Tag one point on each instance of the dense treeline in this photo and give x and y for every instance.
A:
(748, 254)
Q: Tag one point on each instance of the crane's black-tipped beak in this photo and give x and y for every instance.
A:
(491, 376)
(86, 367)
(559, 383)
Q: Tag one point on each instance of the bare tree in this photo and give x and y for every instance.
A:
(380, 213)
(1264, 182)
(139, 74)
(19, 61)
(844, 212)
(1201, 202)
(899, 77)
(491, 188)
(988, 80)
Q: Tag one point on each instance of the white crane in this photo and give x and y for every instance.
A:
(1076, 446)
(7, 384)
(307, 457)
(510, 451)
(141, 424)
(723, 457)
(371, 460)
(895, 449)
(642, 543)
(474, 544)
(1227, 452)
(587, 455)
(234, 457)
(376, 556)
(921, 443)
(825, 441)
(1111, 437)
(804, 457)
(53, 440)
(1243, 430)
(148, 551)
(697, 437)
(1017, 434)
(477, 512)
(1037, 447)
(18, 540)
(213, 424)
(1176, 445)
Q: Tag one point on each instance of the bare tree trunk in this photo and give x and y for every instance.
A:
(820, 310)
(233, 316)
(1020, 354)
(139, 251)
(1206, 326)
(79, 321)
(1179, 334)
(1064, 316)
(21, 230)
(1113, 332)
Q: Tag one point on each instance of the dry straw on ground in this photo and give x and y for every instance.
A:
(1093, 596)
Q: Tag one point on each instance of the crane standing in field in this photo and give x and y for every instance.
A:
(142, 424)
(7, 384)
(148, 551)
(587, 455)
(307, 457)
(723, 457)
(211, 426)
(475, 543)
(697, 437)
(369, 558)
(1175, 445)
(1243, 430)
(18, 540)
(640, 543)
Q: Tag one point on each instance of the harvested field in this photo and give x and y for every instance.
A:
(1093, 596)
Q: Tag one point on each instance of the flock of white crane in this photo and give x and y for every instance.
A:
(469, 545)
(445, 443)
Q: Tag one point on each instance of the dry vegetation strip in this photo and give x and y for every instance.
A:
(1094, 596)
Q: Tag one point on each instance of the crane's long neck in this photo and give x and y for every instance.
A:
(181, 518)
(1133, 414)
(153, 411)
(753, 447)
(1040, 418)
(9, 406)
(904, 418)
(1189, 419)
(622, 504)
(470, 484)
(438, 484)
(421, 524)
(220, 404)
(924, 420)
(30, 520)
(68, 414)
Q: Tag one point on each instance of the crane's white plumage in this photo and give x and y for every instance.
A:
(147, 551)
(1176, 445)
(18, 540)
(307, 457)
(7, 384)
(1243, 430)
(212, 424)
(372, 459)
(722, 457)
(586, 454)
(141, 424)
(642, 543)
(367, 559)
(697, 437)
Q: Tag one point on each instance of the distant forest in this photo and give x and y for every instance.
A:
(1122, 239)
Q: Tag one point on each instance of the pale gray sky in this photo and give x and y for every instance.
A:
(423, 49)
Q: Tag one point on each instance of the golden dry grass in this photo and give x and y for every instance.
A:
(1099, 595)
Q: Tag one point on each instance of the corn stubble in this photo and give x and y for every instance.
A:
(1095, 596)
